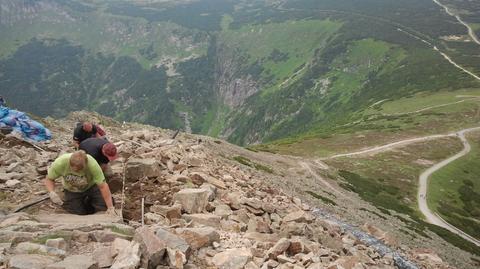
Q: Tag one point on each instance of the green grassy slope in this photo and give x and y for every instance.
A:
(326, 95)
(386, 121)
(394, 172)
(364, 61)
(454, 191)
(281, 49)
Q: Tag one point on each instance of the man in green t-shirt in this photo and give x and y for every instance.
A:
(85, 189)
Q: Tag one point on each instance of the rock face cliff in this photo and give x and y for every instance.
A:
(206, 204)
(233, 85)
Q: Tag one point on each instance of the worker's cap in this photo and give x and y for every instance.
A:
(110, 151)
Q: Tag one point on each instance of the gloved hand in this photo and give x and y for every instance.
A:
(112, 212)
(55, 198)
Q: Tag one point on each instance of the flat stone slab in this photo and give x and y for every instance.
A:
(75, 262)
(77, 219)
(30, 261)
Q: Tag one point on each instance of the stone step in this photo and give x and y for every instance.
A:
(77, 219)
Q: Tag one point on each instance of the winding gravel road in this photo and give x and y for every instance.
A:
(386, 147)
(432, 217)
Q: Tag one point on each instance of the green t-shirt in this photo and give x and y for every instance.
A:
(76, 181)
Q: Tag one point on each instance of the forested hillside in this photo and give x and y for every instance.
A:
(249, 71)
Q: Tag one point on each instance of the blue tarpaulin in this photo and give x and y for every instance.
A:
(20, 122)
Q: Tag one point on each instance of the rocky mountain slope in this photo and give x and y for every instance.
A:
(207, 204)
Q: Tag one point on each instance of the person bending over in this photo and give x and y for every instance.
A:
(101, 150)
(85, 130)
(85, 189)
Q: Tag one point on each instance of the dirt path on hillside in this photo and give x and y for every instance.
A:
(308, 168)
(432, 107)
(441, 53)
(455, 64)
(471, 33)
(432, 217)
(378, 149)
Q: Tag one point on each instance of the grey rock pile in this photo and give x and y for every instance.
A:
(202, 210)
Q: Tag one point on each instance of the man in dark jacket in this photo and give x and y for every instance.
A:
(101, 150)
(85, 130)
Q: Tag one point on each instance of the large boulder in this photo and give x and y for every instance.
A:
(379, 234)
(13, 219)
(4, 177)
(105, 236)
(192, 200)
(30, 261)
(140, 168)
(330, 242)
(279, 248)
(295, 228)
(128, 257)
(223, 211)
(346, 262)
(103, 256)
(232, 259)
(153, 249)
(299, 216)
(176, 258)
(173, 241)
(199, 237)
(118, 245)
(212, 191)
(285, 259)
(200, 178)
(232, 226)
(251, 265)
(258, 225)
(12, 183)
(296, 246)
(28, 247)
(253, 202)
(427, 255)
(152, 218)
(234, 199)
(75, 262)
(169, 212)
(209, 219)
(58, 243)
(261, 237)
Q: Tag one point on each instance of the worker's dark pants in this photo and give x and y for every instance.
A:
(84, 203)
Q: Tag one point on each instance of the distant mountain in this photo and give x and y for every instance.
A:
(249, 71)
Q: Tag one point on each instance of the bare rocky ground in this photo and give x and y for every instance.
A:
(202, 209)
